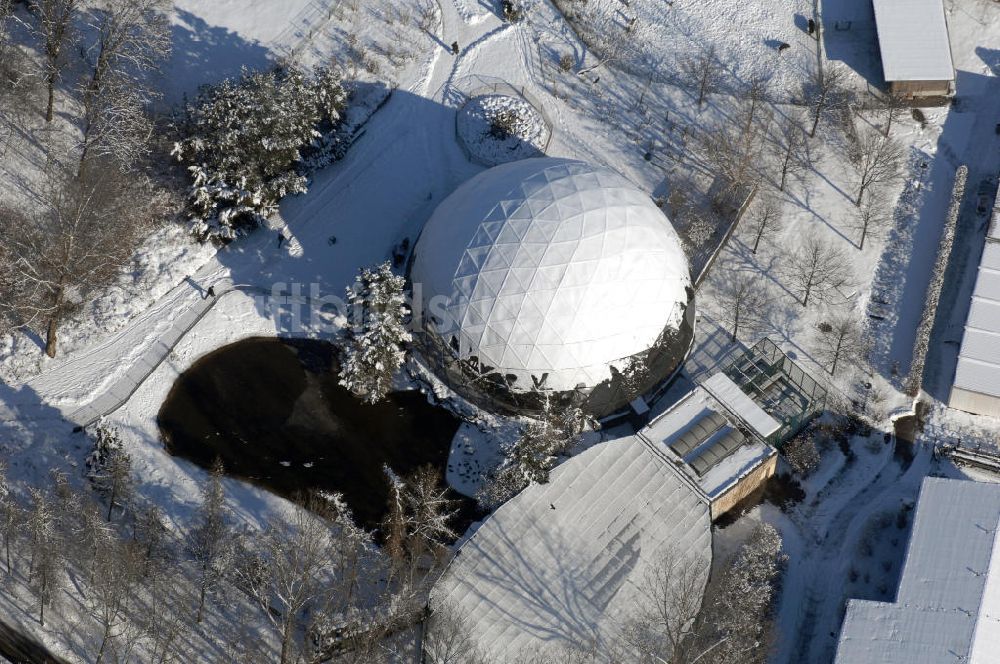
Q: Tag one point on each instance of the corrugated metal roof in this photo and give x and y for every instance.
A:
(978, 367)
(949, 593)
(564, 563)
(913, 39)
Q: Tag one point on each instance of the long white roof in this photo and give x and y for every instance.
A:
(947, 608)
(978, 367)
(913, 39)
(550, 266)
(565, 563)
(739, 403)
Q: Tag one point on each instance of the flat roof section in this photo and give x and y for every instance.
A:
(978, 367)
(948, 597)
(736, 400)
(913, 39)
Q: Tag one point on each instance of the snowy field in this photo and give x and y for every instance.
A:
(631, 110)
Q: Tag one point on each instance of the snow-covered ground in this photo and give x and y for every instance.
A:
(409, 159)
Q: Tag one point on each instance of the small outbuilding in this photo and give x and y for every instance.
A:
(915, 46)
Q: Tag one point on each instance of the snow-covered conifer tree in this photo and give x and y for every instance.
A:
(377, 337)
(243, 141)
(109, 467)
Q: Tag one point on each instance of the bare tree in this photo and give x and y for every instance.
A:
(735, 624)
(701, 72)
(394, 525)
(666, 616)
(817, 270)
(167, 623)
(742, 300)
(840, 339)
(149, 534)
(133, 38)
(56, 32)
(825, 90)
(756, 94)
(680, 622)
(419, 515)
(113, 589)
(430, 512)
(210, 537)
(893, 107)
(86, 229)
(615, 43)
(6, 10)
(764, 220)
(734, 156)
(876, 158)
(47, 561)
(792, 141)
(286, 570)
(871, 218)
(11, 514)
(448, 639)
(90, 533)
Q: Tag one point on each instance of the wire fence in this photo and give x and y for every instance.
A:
(463, 91)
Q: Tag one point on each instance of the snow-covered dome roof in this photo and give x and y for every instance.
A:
(550, 270)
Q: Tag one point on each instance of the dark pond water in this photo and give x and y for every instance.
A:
(273, 411)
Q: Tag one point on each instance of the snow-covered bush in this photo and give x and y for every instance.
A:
(243, 142)
(916, 376)
(376, 346)
(497, 128)
(802, 454)
(516, 10)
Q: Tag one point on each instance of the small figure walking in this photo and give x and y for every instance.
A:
(210, 292)
(454, 48)
(811, 26)
(281, 239)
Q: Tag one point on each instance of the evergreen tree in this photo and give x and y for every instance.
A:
(243, 142)
(109, 468)
(377, 335)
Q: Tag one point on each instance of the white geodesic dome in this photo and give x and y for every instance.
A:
(549, 271)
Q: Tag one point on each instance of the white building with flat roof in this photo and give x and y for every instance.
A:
(947, 607)
(915, 47)
(976, 388)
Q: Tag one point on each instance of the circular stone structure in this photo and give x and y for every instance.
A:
(551, 278)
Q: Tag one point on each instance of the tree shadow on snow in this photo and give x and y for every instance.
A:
(202, 53)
